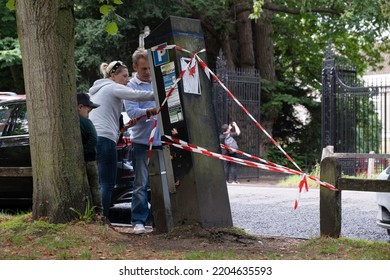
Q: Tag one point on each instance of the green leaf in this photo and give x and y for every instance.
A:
(112, 28)
(10, 5)
(117, 2)
(105, 9)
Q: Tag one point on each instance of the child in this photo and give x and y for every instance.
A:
(89, 139)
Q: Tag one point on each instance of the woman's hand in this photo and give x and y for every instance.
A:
(129, 124)
(151, 112)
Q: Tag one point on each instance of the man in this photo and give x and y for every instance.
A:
(227, 138)
(139, 135)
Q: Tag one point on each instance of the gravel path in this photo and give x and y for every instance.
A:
(263, 210)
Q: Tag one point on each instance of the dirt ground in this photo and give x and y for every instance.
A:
(187, 239)
(193, 239)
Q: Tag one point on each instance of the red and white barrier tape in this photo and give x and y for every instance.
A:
(151, 138)
(303, 181)
(208, 70)
(168, 95)
(313, 178)
(183, 145)
(270, 165)
(199, 150)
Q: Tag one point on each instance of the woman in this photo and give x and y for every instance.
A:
(109, 92)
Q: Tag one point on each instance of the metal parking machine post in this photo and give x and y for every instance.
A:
(161, 177)
(199, 195)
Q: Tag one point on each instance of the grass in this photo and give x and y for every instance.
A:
(345, 248)
(293, 180)
(21, 238)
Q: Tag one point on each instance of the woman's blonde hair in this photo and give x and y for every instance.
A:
(112, 68)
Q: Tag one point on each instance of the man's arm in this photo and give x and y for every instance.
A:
(236, 128)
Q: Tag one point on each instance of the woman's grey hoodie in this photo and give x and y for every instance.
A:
(109, 95)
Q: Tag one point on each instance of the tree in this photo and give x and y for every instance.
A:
(286, 43)
(46, 34)
(289, 39)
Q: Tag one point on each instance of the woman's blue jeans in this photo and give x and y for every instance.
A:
(107, 163)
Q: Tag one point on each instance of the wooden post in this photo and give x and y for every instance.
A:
(328, 151)
(330, 201)
(371, 166)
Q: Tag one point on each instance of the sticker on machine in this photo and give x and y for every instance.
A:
(174, 105)
(160, 56)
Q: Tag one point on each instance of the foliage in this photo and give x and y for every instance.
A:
(301, 31)
(301, 38)
(9, 52)
(293, 180)
(9, 45)
(108, 11)
(385, 6)
(89, 213)
(94, 45)
(11, 76)
(367, 142)
(297, 133)
(11, 5)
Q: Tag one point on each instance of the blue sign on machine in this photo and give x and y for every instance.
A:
(161, 56)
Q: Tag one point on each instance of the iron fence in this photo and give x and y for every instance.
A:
(245, 86)
(354, 114)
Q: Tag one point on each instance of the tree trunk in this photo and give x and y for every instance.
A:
(227, 51)
(265, 62)
(46, 34)
(245, 38)
(264, 46)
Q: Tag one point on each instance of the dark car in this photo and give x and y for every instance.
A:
(15, 152)
(8, 95)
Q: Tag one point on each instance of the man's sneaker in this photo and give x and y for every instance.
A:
(139, 229)
(235, 182)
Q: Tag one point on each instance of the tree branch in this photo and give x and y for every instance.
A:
(294, 11)
(206, 24)
(275, 8)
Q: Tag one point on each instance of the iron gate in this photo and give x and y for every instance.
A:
(354, 114)
(245, 86)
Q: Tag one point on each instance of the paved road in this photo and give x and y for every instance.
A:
(269, 211)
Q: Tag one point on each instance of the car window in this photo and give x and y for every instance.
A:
(5, 113)
(21, 122)
(13, 119)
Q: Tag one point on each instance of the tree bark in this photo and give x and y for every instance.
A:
(264, 46)
(264, 49)
(245, 37)
(46, 34)
(227, 51)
